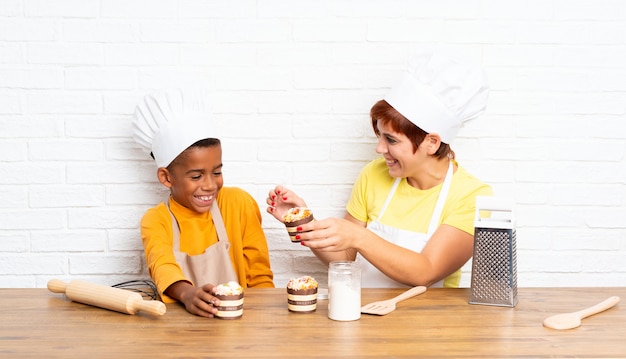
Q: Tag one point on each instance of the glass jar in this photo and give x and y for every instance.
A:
(344, 291)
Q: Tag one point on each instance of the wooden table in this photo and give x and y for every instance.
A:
(439, 323)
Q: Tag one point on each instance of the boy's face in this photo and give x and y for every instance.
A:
(195, 177)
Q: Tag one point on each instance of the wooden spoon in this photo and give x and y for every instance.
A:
(573, 320)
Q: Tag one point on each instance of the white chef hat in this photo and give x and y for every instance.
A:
(441, 92)
(169, 121)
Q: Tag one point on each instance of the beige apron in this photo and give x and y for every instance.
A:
(214, 265)
(372, 277)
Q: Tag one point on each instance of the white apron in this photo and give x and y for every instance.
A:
(214, 265)
(415, 241)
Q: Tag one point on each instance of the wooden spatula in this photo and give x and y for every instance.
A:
(573, 320)
(384, 307)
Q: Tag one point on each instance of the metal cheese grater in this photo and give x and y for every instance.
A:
(494, 264)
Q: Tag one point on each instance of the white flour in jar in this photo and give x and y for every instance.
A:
(344, 303)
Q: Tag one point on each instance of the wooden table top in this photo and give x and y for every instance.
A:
(439, 323)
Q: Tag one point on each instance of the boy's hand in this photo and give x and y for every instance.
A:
(197, 300)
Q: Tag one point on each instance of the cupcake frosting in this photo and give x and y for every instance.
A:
(297, 213)
(230, 288)
(302, 283)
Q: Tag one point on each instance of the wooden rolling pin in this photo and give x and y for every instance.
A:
(117, 299)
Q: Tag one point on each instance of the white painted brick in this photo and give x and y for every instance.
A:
(10, 102)
(11, 53)
(24, 264)
(217, 9)
(98, 173)
(19, 29)
(65, 150)
(393, 30)
(23, 219)
(68, 241)
(103, 264)
(145, 9)
(125, 240)
(97, 126)
(172, 78)
(598, 10)
(98, 78)
(69, 54)
(64, 8)
(30, 126)
(47, 196)
(179, 32)
(139, 54)
(233, 31)
(330, 77)
(209, 54)
(468, 32)
(10, 8)
(13, 151)
(14, 196)
(100, 31)
(121, 103)
(135, 194)
(110, 217)
(71, 102)
(253, 79)
(31, 173)
(14, 242)
(512, 10)
(329, 31)
(605, 217)
(34, 78)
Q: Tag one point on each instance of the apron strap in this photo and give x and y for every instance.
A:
(441, 200)
(396, 183)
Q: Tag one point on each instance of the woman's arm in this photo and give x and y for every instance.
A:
(447, 250)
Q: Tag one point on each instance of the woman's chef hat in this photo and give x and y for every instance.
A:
(167, 122)
(440, 93)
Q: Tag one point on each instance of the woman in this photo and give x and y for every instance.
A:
(410, 217)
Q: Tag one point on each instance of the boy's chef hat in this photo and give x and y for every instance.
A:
(440, 93)
(168, 122)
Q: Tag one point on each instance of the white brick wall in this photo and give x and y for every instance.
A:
(298, 78)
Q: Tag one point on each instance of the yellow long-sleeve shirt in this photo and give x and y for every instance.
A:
(242, 219)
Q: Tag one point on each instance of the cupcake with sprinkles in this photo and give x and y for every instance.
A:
(231, 300)
(294, 218)
(302, 294)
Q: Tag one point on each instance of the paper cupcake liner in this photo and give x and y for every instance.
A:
(302, 301)
(292, 228)
(231, 306)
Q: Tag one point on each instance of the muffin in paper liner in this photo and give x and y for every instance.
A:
(296, 217)
(302, 295)
(231, 301)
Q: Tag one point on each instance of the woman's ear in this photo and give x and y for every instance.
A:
(164, 177)
(432, 142)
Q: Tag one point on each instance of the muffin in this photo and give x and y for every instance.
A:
(302, 294)
(231, 300)
(295, 217)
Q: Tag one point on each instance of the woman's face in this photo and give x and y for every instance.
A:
(398, 152)
(195, 177)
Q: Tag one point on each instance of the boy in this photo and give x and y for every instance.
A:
(205, 234)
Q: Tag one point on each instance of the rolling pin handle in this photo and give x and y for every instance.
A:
(153, 307)
(57, 286)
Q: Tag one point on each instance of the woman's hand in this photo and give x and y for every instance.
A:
(280, 199)
(333, 235)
